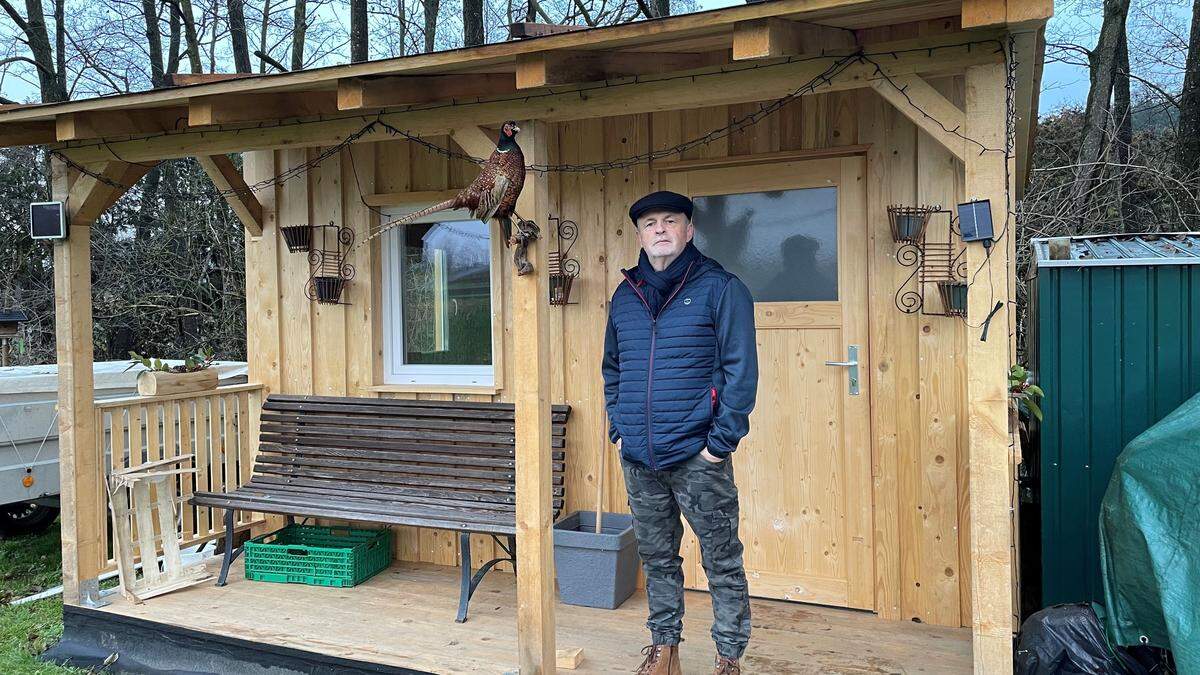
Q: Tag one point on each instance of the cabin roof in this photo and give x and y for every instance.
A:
(700, 32)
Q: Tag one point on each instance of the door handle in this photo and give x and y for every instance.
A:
(851, 366)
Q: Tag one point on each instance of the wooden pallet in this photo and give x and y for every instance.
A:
(139, 498)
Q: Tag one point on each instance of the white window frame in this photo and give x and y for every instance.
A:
(400, 374)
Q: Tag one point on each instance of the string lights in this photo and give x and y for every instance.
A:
(838, 65)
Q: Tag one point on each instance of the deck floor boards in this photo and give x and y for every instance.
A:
(405, 617)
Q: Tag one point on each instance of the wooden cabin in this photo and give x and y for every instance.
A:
(877, 511)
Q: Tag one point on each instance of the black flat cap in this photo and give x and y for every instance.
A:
(663, 200)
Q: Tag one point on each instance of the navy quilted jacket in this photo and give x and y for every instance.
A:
(686, 379)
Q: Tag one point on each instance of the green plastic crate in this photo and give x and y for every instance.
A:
(318, 556)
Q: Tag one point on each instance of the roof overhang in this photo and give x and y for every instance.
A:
(702, 33)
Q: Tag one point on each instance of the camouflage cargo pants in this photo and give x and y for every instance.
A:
(705, 494)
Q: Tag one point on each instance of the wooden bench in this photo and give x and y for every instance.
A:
(436, 464)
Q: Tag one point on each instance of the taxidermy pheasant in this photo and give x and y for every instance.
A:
(493, 195)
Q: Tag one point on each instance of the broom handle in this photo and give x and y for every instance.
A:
(604, 450)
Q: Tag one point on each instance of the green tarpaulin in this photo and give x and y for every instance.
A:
(1150, 539)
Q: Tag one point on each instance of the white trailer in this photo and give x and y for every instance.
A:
(29, 435)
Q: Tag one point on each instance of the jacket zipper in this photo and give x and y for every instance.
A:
(653, 340)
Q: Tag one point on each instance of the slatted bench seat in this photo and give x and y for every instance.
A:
(435, 464)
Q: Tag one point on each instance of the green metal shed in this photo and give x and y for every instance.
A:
(1115, 343)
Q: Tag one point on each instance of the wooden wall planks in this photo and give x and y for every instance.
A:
(916, 385)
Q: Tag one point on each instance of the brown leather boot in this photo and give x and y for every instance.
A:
(726, 666)
(660, 660)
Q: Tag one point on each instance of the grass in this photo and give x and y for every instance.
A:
(29, 565)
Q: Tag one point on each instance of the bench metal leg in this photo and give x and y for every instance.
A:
(471, 582)
(230, 552)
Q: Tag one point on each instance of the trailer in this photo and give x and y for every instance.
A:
(29, 435)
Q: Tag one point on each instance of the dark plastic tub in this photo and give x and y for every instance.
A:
(595, 569)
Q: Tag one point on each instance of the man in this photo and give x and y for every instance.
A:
(680, 376)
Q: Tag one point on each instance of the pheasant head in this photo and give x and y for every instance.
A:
(508, 136)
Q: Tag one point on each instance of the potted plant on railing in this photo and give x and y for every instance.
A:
(161, 378)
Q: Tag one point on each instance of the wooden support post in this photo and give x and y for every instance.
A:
(80, 471)
(226, 177)
(531, 341)
(990, 474)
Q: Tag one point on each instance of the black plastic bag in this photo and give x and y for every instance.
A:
(1069, 640)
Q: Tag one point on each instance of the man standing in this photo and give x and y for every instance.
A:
(680, 377)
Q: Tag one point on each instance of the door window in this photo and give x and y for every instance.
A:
(782, 243)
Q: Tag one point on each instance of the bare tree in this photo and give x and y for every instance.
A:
(52, 74)
(472, 23)
(299, 27)
(153, 44)
(431, 12)
(1103, 61)
(237, 36)
(190, 39)
(1189, 102)
(358, 31)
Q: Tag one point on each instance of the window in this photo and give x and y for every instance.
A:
(782, 244)
(438, 299)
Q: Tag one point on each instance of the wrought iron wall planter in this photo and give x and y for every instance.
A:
(329, 269)
(909, 222)
(934, 263)
(297, 237)
(563, 268)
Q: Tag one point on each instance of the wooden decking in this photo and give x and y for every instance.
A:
(405, 617)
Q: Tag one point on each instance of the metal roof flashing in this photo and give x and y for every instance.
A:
(1158, 248)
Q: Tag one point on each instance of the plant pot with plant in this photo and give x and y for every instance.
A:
(160, 378)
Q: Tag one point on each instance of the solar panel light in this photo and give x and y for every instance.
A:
(975, 221)
(47, 220)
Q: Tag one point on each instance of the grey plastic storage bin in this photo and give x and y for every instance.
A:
(595, 569)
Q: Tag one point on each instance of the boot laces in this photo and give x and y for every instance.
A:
(653, 654)
(727, 667)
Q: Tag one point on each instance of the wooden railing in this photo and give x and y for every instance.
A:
(218, 426)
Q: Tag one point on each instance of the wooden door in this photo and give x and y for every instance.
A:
(795, 232)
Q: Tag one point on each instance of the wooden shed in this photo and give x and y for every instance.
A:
(877, 510)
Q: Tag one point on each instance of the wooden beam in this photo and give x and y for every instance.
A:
(528, 29)
(475, 141)
(92, 195)
(775, 37)
(412, 197)
(531, 396)
(27, 133)
(544, 69)
(385, 92)
(925, 107)
(188, 79)
(721, 88)
(226, 177)
(989, 435)
(76, 126)
(232, 109)
(988, 13)
(1029, 49)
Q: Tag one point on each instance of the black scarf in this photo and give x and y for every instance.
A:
(660, 285)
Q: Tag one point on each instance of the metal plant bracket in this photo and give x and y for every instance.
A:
(329, 269)
(563, 268)
(934, 263)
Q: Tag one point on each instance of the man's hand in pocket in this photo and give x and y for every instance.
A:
(710, 458)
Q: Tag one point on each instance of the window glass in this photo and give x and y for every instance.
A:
(446, 293)
(782, 244)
